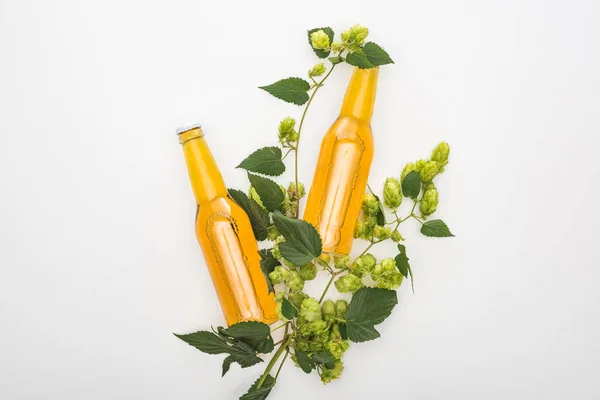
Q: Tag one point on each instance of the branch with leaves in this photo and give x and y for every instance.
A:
(317, 332)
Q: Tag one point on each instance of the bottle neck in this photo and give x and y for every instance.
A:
(207, 182)
(360, 95)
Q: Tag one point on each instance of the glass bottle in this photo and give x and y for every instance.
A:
(340, 179)
(226, 238)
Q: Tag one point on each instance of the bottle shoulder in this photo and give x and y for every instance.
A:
(351, 128)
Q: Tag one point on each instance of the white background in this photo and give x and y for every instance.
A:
(98, 259)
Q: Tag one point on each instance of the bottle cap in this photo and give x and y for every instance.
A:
(189, 132)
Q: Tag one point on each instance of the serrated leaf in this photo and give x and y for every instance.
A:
(291, 90)
(321, 53)
(376, 55)
(266, 161)
(226, 364)
(263, 346)
(262, 393)
(259, 218)
(267, 265)
(247, 330)
(411, 185)
(211, 343)
(359, 59)
(304, 361)
(325, 358)
(302, 241)
(404, 266)
(369, 307)
(269, 192)
(436, 228)
(343, 332)
(288, 310)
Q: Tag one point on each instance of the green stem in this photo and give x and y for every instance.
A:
(286, 154)
(328, 285)
(287, 353)
(280, 350)
(312, 96)
(279, 327)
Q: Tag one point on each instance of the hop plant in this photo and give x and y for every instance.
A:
(328, 310)
(408, 168)
(329, 375)
(370, 204)
(295, 283)
(297, 298)
(279, 274)
(348, 284)
(340, 308)
(429, 202)
(308, 272)
(318, 70)
(355, 37)
(440, 153)
(310, 310)
(382, 233)
(429, 170)
(392, 193)
(387, 275)
(320, 40)
(363, 265)
(288, 135)
(272, 233)
(341, 262)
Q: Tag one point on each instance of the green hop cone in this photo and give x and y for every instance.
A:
(272, 233)
(341, 262)
(392, 193)
(337, 47)
(340, 308)
(319, 40)
(382, 233)
(310, 310)
(429, 202)
(370, 220)
(293, 194)
(362, 230)
(420, 164)
(328, 375)
(325, 258)
(408, 168)
(370, 204)
(276, 253)
(315, 327)
(377, 272)
(279, 274)
(295, 283)
(396, 236)
(318, 70)
(348, 284)
(287, 131)
(308, 272)
(440, 153)
(429, 171)
(328, 310)
(363, 265)
(388, 276)
(355, 36)
(297, 298)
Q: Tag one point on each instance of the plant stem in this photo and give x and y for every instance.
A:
(312, 96)
(279, 327)
(286, 154)
(280, 350)
(287, 353)
(328, 285)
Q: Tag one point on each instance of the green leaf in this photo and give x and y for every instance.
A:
(324, 357)
(380, 213)
(287, 309)
(211, 343)
(269, 192)
(291, 90)
(359, 59)
(411, 185)
(302, 241)
(343, 331)
(404, 266)
(259, 218)
(376, 55)
(436, 228)
(265, 161)
(267, 265)
(262, 393)
(226, 364)
(369, 307)
(304, 361)
(321, 53)
(248, 330)
(336, 59)
(263, 346)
